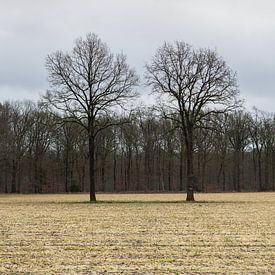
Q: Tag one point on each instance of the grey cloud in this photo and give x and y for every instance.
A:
(242, 32)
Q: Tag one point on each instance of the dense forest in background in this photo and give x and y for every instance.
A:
(144, 152)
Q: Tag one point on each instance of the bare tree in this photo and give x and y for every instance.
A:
(37, 155)
(5, 143)
(204, 147)
(87, 84)
(238, 136)
(21, 123)
(195, 83)
(221, 148)
(39, 139)
(261, 130)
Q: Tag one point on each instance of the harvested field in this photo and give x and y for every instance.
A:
(137, 233)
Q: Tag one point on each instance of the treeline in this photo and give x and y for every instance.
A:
(143, 152)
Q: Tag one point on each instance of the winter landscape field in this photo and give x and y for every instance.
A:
(137, 234)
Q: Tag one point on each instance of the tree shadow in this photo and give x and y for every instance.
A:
(155, 202)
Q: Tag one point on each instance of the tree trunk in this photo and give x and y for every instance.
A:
(13, 179)
(122, 173)
(242, 179)
(266, 169)
(114, 170)
(103, 176)
(255, 170)
(159, 168)
(223, 179)
(18, 188)
(169, 172)
(237, 170)
(202, 184)
(6, 177)
(92, 167)
(147, 169)
(181, 168)
(182, 163)
(35, 186)
(190, 168)
(137, 170)
(129, 169)
(66, 169)
(219, 176)
(260, 171)
(40, 177)
(83, 178)
(273, 171)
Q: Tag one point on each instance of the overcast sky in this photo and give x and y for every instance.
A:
(242, 31)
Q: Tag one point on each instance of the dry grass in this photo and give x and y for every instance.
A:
(45, 234)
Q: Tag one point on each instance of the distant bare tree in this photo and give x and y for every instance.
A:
(221, 147)
(238, 136)
(5, 142)
(148, 127)
(21, 123)
(262, 131)
(204, 147)
(195, 84)
(39, 139)
(87, 84)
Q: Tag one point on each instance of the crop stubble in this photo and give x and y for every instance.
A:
(48, 234)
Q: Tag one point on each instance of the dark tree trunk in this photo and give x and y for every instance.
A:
(83, 178)
(137, 170)
(13, 179)
(254, 170)
(40, 177)
(129, 168)
(114, 170)
(260, 171)
(273, 171)
(203, 187)
(181, 171)
(122, 172)
(169, 172)
(103, 176)
(18, 188)
(190, 168)
(219, 176)
(159, 168)
(237, 170)
(242, 179)
(35, 186)
(92, 167)
(181, 163)
(223, 179)
(67, 170)
(163, 172)
(266, 170)
(6, 177)
(147, 170)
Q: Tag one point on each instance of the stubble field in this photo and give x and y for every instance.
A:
(137, 234)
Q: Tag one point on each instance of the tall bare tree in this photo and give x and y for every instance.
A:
(238, 135)
(86, 85)
(21, 123)
(5, 143)
(195, 83)
(39, 139)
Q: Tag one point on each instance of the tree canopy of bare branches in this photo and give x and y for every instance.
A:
(194, 83)
(87, 84)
